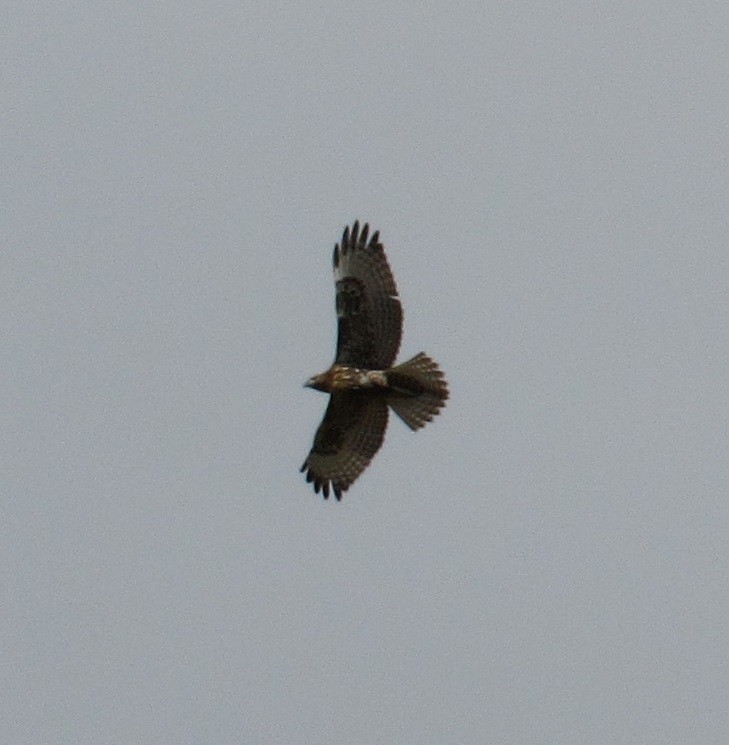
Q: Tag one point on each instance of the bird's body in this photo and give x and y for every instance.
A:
(362, 382)
(344, 378)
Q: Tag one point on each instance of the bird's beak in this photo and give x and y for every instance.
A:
(309, 383)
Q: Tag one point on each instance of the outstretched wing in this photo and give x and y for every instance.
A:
(349, 435)
(368, 308)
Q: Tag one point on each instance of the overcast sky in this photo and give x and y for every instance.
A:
(548, 561)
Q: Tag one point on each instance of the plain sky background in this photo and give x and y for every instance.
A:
(548, 562)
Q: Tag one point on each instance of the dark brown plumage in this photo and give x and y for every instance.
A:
(362, 382)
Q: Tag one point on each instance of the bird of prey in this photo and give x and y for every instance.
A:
(362, 383)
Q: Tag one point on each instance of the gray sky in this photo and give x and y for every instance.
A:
(545, 563)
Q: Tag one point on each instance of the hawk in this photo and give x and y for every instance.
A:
(362, 383)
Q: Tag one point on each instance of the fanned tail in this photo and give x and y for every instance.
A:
(418, 390)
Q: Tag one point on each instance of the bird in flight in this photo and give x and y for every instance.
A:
(362, 383)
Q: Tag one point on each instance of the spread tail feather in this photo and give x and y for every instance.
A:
(418, 390)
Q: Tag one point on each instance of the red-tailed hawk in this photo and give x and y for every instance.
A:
(362, 382)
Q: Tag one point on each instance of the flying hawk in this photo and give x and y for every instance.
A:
(362, 382)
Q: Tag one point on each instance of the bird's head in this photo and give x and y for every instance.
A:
(320, 382)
